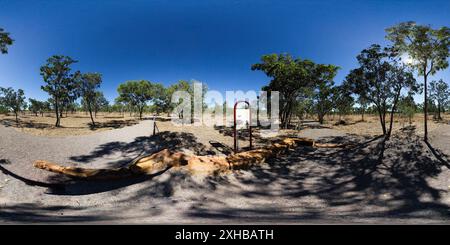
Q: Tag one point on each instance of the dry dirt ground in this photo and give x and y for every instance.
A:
(371, 124)
(403, 180)
(72, 124)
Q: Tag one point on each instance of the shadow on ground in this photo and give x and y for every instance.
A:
(145, 145)
(25, 124)
(373, 179)
(31, 212)
(244, 134)
(115, 124)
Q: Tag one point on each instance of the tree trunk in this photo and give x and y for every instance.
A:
(17, 117)
(439, 111)
(394, 108)
(320, 116)
(425, 107)
(383, 125)
(57, 124)
(140, 113)
(90, 113)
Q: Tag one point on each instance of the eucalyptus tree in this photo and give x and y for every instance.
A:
(427, 50)
(324, 89)
(381, 79)
(164, 98)
(304, 104)
(342, 99)
(12, 100)
(440, 93)
(324, 94)
(362, 96)
(36, 106)
(88, 86)
(290, 76)
(400, 77)
(136, 94)
(60, 83)
(407, 107)
(100, 103)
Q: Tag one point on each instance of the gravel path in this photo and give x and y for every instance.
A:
(306, 186)
(440, 137)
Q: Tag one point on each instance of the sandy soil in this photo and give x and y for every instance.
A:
(371, 125)
(80, 124)
(73, 124)
(403, 180)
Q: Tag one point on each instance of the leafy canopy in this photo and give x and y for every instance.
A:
(5, 41)
(428, 48)
(12, 100)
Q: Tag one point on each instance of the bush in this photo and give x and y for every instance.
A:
(3, 110)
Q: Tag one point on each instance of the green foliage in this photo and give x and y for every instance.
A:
(5, 41)
(343, 101)
(100, 102)
(37, 106)
(87, 88)
(290, 77)
(162, 98)
(118, 106)
(163, 101)
(427, 48)
(136, 94)
(407, 107)
(304, 104)
(380, 79)
(12, 100)
(3, 109)
(61, 84)
(439, 93)
(323, 98)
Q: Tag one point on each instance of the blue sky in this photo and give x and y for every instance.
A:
(211, 41)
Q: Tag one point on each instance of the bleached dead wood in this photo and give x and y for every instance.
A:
(162, 160)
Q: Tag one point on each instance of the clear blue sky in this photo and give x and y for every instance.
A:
(211, 41)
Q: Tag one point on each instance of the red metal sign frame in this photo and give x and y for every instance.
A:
(235, 125)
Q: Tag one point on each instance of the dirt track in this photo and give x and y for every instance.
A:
(372, 183)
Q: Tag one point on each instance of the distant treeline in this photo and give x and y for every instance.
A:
(384, 83)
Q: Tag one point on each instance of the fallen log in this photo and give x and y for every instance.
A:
(165, 159)
(84, 173)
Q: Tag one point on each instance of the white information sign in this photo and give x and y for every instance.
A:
(242, 118)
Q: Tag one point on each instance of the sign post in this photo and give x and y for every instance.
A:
(243, 121)
(154, 125)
